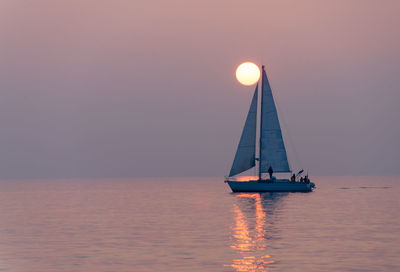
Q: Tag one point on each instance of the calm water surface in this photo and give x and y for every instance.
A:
(347, 224)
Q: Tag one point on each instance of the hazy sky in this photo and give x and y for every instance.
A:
(93, 88)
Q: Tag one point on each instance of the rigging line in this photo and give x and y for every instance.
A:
(292, 146)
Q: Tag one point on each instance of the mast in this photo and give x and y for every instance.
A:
(261, 122)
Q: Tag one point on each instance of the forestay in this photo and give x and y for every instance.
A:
(246, 151)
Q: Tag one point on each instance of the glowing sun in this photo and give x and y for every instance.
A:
(247, 73)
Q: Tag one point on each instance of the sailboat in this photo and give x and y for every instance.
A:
(272, 152)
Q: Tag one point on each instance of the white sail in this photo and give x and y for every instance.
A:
(246, 151)
(272, 147)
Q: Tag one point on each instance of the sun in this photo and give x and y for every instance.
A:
(247, 73)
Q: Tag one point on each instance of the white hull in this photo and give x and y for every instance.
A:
(280, 185)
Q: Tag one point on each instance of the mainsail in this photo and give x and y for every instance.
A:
(246, 151)
(272, 147)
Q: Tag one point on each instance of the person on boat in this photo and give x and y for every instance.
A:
(301, 179)
(306, 179)
(293, 178)
(270, 172)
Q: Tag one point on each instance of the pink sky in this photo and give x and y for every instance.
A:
(147, 88)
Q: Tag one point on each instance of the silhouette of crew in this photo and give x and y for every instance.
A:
(270, 172)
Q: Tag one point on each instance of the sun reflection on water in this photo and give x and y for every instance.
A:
(249, 234)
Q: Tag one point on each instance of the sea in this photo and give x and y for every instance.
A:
(198, 224)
